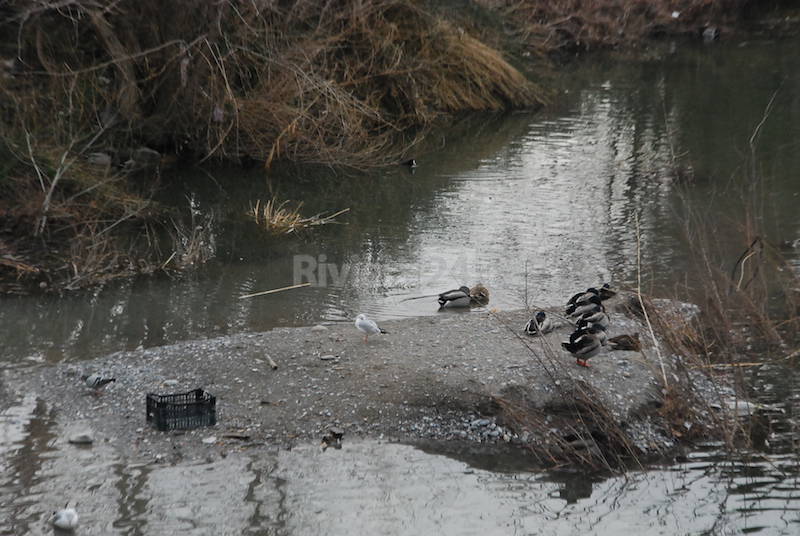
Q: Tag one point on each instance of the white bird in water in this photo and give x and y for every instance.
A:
(65, 519)
(367, 327)
(97, 381)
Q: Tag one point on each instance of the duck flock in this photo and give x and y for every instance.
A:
(585, 310)
(591, 323)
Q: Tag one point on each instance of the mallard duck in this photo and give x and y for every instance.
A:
(594, 319)
(605, 292)
(65, 519)
(582, 297)
(584, 344)
(479, 294)
(579, 308)
(367, 327)
(459, 297)
(625, 342)
(539, 324)
(601, 335)
(596, 331)
(332, 439)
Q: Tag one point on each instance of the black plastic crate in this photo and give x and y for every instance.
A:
(182, 411)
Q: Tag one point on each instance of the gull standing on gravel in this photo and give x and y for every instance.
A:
(367, 327)
(97, 381)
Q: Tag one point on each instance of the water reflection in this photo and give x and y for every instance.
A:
(548, 197)
(380, 488)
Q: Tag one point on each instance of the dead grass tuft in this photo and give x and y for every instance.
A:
(278, 217)
(578, 430)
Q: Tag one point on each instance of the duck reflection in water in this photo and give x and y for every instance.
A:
(575, 487)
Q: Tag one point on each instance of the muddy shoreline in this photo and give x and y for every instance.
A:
(433, 378)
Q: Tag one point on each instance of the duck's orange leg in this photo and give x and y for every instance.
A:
(583, 363)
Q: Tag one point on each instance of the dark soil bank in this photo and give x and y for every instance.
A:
(432, 378)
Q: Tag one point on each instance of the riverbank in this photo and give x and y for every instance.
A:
(357, 89)
(453, 377)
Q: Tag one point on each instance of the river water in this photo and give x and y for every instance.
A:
(535, 206)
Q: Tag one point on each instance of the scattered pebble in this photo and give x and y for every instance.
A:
(81, 438)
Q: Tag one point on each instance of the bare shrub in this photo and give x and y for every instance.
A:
(573, 25)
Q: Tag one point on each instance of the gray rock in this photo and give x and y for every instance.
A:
(83, 437)
(479, 423)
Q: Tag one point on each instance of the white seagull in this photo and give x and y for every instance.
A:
(367, 327)
(66, 519)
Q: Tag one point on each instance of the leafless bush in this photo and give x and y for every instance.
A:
(573, 25)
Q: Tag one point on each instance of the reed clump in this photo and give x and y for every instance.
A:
(578, 429)
(279, 217)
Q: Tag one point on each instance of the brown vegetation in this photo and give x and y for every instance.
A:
(88, 91)
(307, 81)
(749, 309)
(303, 80)
(577, 25)
(279, 218)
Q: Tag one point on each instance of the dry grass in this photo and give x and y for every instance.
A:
(749, 310)
(355, 84)
(352, 84)
(296, 80)
(565, 26)
(278, 217)
(588, 434)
